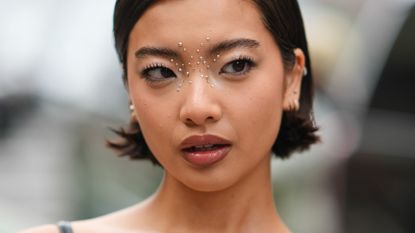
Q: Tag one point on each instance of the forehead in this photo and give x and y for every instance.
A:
(181, 20)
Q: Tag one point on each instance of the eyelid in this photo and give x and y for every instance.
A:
(144, 71)
(154, 65)
(240, 57)
(148, 69)
(249, 59)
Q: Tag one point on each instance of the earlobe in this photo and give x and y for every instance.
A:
(293, 84)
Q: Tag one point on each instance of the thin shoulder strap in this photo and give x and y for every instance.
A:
(64, 227)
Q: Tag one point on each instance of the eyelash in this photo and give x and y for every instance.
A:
(248, 60)
(145, 73)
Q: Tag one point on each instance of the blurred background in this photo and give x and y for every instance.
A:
(60, 90)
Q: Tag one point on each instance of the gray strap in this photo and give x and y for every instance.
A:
(64, 227)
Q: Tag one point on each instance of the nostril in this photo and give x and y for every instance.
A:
(189, 122)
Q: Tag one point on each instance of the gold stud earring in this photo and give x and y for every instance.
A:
(296, 105)
(289, 106)
(132, 112)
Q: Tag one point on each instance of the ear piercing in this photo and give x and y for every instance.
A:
(296, 105)
(131, 107)
(293, 105)
(305, 71)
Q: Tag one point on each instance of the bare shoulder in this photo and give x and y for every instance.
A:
(126, 220)
(42, 229)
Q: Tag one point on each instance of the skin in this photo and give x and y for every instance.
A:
(233, 195)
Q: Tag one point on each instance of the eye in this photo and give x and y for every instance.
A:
(239, 66)
(157, 73)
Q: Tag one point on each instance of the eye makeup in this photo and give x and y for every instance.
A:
(157, 72)
(238, 66)
(179, 68)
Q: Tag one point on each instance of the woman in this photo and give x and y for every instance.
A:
(215, 87)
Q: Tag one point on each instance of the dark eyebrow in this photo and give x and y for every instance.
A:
(216, 49)
(154, 51)
(234, 43)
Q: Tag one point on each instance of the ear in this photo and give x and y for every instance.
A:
(293, 80)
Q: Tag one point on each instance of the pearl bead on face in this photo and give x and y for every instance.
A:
(201, 64)
(244, 109)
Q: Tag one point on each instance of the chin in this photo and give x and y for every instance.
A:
(208, 187)
(214, 181)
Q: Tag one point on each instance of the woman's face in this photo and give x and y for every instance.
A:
(208, 85)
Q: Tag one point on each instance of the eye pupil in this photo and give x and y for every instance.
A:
(166, 73)
(238, 66)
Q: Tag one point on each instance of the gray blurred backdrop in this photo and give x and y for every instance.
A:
(60, 90)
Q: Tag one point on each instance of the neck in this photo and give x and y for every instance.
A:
(246, 206)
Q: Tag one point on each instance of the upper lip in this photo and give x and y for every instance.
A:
(201, 140)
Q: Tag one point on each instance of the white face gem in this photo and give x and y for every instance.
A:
(182, 64)
(180, 70)
(191, 57)
(201, 44)
(171, 60)
(177, 64)
(188, 73)
(184, 49)
(207, 38)
(198, 62)
(214, 59)
(180, 44)
(208, 66)
(197, 50)
(204, 62)
(201, 58)
(218, 55)
(190, 81)
(202, 76)
(189, 63)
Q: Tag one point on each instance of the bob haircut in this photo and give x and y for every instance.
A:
(283, 19)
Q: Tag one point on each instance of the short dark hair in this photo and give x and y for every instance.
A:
(283, 19)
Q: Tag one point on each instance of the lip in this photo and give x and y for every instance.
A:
(204, 157)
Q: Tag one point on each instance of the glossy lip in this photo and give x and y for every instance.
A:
(205, 158)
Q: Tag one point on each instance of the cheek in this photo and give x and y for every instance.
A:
(155, 117)
(258, 112)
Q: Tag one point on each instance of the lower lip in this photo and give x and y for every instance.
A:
(206, 158)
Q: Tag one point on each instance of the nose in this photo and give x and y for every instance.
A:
(200, 105)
